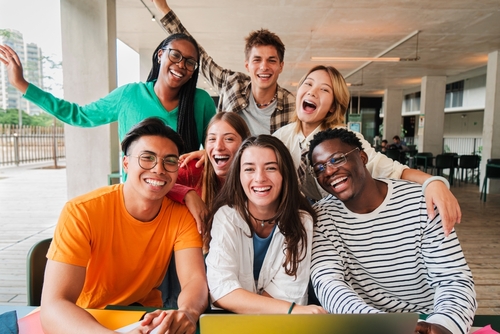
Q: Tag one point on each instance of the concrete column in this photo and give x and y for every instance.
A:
(432, 108)
(393, 102)
(89, 73)
(491, 130)
(145, 62)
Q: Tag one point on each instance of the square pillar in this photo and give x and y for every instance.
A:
(393, 102)
(491, 123)
(89, 73)
(432, 99)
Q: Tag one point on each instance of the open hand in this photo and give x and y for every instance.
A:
(14, 68)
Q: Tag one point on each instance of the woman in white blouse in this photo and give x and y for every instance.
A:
(261, 234)
(321, 103)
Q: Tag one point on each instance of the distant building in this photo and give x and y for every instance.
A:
(31, 57)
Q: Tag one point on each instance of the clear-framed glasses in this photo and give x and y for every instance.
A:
(148, 161)
(335, 160)
(176, 56)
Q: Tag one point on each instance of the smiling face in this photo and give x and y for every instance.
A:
(261, 179)
(149, 185)
(174, 75)
(264, 67)
(314, 100)
(221, 145)
(345, 182)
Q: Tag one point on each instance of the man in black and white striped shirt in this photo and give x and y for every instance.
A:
(374, 248)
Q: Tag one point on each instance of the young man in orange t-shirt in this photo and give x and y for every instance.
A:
(112, 246)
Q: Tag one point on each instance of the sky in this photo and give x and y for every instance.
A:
(39, 21)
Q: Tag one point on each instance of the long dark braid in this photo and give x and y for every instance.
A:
(186, 124)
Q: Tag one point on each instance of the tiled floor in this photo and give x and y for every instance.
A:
(31, 199)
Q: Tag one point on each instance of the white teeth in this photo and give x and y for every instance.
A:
(261, 188)
(177, 74)
(338, 180)
(155, 183)
(310, 102)
(264, 76)
(221, 156)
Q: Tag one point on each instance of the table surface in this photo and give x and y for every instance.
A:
(22, 311)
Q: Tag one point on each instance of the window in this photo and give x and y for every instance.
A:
(454, 94)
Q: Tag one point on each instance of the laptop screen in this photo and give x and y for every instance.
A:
(379, 323)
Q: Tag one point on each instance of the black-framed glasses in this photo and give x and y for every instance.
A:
(176, 56)
(335, 160)
(148, 161)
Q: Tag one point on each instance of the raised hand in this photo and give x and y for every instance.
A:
(14, 68)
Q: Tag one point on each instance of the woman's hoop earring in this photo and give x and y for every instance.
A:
(159, 61)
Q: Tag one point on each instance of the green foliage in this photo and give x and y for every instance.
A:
(5, 33)
(11, 116)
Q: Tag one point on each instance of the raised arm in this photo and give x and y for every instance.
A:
(101, 112)
(14, 68)
(214, 73)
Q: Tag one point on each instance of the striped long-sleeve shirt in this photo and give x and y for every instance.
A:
(393, 259)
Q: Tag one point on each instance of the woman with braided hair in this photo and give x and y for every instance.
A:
(170, 94)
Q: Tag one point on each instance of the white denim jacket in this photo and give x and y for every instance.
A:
(230, 261)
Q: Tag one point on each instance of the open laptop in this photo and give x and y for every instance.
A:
(379, 323)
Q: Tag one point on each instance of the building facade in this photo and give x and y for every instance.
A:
(31, 58)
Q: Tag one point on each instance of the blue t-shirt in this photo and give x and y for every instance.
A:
(260, 246)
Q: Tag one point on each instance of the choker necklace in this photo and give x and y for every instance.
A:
(262, 222)
(267, 104)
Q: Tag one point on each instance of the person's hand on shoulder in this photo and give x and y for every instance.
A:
(198, 209)
(437, 193)
(185, 158)
(424, 327)
(14, 68)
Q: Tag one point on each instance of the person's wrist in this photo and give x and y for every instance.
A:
(432, 179)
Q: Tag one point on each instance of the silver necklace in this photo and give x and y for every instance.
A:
(262, 222)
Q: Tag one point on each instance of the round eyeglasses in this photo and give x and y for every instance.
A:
(335, 160)
(176, 56)
(148, 161)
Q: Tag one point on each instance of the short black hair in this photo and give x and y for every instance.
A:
(345, 136)
(396, 137)
(151, 126)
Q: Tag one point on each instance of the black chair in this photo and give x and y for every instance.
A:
(445, 161)
(35, 270)
(491, 173)
(394, 154)
(424, 160)
(467, 162)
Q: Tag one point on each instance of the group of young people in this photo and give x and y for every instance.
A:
(371, 242)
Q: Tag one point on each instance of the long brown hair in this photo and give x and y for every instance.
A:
(341, 98)
(210, 183)
(291, 201)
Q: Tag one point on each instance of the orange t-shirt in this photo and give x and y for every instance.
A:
(126, 259)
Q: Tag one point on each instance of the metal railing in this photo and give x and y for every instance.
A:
(29, 144)
(461, 146)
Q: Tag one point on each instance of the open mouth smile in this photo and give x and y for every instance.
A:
(308, 106)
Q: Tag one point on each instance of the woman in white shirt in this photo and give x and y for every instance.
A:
(261, 229)
(321, 103)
